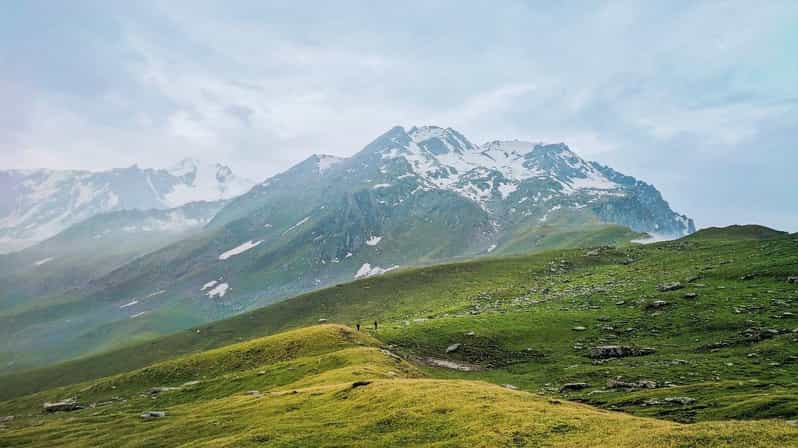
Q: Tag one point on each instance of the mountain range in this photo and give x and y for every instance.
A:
(410, 197)
(38, 204)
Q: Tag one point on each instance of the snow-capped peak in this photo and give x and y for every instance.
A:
(442, 158)
(49, 201)
(437, 140)
(199, 182)
(184, 167)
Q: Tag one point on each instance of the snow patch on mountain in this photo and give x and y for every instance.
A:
(219, 290)
(208, 285)
(238, 250)
(298, 224)
(43, 261)
(374, 240)
(368, 271)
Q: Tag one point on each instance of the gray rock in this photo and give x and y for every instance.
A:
(153, 414)
(792, 279)
(322, 320)
(510, 386)
(453, 348)
(67, 405)
(579, 328)
(673, 286)
(690, 295)
(573, 386)
(470, 333)
(618, 351)
(642, 384)
(162, 389)
(679, 400)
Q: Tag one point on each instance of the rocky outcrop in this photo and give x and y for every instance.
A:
(619, 351)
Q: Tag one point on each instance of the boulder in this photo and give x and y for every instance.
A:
(510, 386)
(579, 328)
(673, 286)
(322, 320)
(573, 386)
(162, 389)
(453, 348)
(153, 414)
(642, 384)
(67, 405)
(679, 400)
(690, 295)
(618, 351)
(792, 279)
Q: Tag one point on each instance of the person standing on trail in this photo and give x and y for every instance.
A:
(358, 327)
(375, 325)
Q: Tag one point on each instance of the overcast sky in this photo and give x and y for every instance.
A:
(698, 98)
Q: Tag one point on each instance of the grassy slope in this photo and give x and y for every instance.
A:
(533, 302)
(306, 396)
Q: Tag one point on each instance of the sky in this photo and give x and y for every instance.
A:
(698, 98)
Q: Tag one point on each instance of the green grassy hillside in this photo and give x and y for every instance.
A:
(724, 340)
(329, 386)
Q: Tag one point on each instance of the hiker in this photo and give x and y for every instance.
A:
(358, 327)
(375, 325)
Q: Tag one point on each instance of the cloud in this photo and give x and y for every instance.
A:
(656, 90)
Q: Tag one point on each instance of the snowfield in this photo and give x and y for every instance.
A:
(368, 271)
(218, 291)
(44, 261)
(239, 250)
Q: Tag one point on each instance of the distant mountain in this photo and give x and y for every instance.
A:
(93, 248)
(38, 204)
(410, 197)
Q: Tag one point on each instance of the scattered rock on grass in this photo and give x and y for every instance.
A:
(453, 348)
(153, 414)
(673, 286)
(618, 351)
(579, 328)
(573, 386)
(690, 295)
(670, 400)
(67, 405)
(643, 384)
